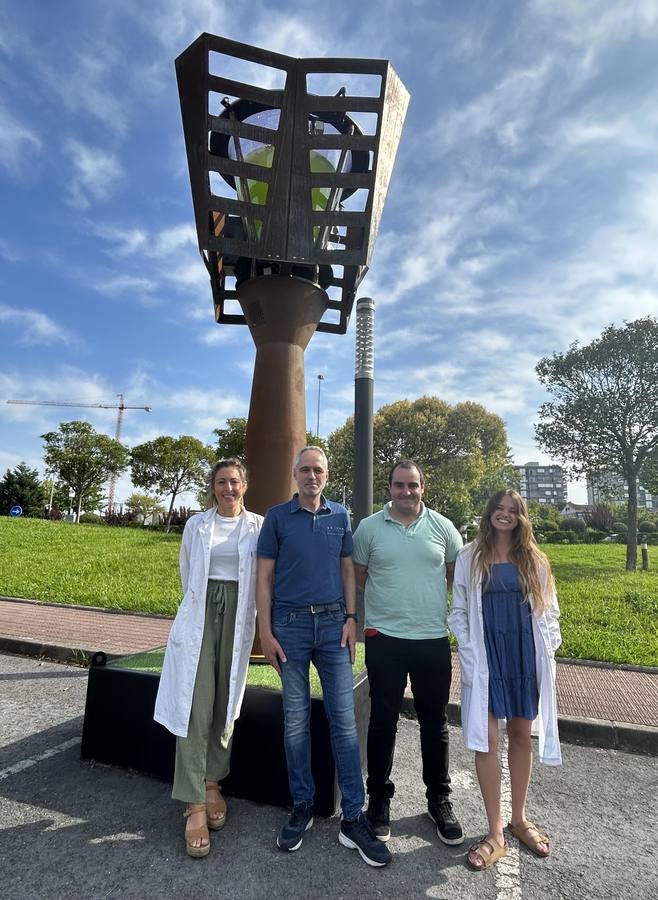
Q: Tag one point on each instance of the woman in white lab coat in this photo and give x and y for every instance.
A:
(505, 617)
(206, 662)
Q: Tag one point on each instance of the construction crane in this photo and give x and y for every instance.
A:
(121, 407)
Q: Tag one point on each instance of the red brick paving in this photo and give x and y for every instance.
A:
(584, 691)
(80, 628)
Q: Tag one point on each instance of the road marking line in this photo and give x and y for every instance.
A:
(507, 872)
(120, 836)
(34, 760)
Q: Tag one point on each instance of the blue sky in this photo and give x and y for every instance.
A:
(522, 213)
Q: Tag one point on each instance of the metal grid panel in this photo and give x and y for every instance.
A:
(283, 228)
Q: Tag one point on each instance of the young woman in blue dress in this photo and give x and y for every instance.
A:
(505, 617)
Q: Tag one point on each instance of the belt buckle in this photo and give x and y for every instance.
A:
(316, 607)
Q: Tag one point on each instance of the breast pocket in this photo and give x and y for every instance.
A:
(334, 536)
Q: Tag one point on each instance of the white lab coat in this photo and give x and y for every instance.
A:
(174, 701)
(465, 622)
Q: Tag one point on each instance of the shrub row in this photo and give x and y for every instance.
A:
(591, 536)
(588, 536)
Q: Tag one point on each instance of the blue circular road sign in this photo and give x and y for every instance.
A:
(16, 510)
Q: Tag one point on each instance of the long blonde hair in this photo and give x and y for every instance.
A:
(524, 552)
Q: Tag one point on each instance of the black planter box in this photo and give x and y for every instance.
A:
(119, 730)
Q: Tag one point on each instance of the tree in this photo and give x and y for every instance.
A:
(456, 446)
(505, 477)
(572, 523)
(231, 440)
(601, 517)
(83, 459)
(144, 506)
(171, 465)
(649, 475)
(23, 487)
(544, 514)
(604, 413)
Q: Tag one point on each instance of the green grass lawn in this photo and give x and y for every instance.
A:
(607, 614)
(93, 565)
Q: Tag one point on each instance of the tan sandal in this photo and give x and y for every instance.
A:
(489, 851)
(531, 836)
(195, 834)
(216, 810)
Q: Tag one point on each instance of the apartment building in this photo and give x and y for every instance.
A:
(543, 483)
(608, 487)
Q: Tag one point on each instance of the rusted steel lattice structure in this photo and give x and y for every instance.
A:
(288, 188)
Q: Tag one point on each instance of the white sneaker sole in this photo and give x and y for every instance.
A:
(298, 844)
(348, 842)
(451, 842)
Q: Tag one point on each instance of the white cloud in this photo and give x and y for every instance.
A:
(86, 81)
(131, 240)
(96, 174)
(126, 286)
(35, 327)
(220, 334)
(19, 145)
(9, 253)
(178, 22)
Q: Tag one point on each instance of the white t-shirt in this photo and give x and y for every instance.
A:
(224, 561)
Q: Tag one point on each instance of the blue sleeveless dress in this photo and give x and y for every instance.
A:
(510, 645)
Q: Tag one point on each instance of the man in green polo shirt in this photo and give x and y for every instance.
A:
(404, 557)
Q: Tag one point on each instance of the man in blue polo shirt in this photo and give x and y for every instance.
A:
(405, 555)
(306, 603)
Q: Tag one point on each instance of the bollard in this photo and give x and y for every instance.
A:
(645, 556)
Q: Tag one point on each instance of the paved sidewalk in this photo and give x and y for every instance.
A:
(601, 705)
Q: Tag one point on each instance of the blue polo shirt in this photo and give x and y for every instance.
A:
(307, 548)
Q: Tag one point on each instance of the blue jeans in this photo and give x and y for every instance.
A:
(305, 637)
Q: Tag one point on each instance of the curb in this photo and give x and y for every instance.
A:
(71, 656)
(598, 664)
(605, 735)
(79, 606)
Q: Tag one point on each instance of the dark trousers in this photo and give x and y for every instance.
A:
(429, 666)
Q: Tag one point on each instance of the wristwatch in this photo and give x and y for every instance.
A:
(351, 616)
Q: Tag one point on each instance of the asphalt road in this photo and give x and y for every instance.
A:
(73, 829)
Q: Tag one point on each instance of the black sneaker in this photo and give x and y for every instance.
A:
(357, 834)
(291, 835)
(447, 827)
(378, 814)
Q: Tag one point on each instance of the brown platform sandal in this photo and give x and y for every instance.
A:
(531, 836)
(195, 834)
(489, 851)
(216, 810)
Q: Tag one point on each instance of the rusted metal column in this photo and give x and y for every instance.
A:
(282, 313)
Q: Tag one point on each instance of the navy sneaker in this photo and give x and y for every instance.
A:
(379, 816)
(291, 835)
(447, 827)
(357, 834)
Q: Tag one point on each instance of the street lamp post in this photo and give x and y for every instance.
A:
(272, 173)
(364, 375)
(320, 380)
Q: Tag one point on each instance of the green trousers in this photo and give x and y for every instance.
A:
(200, 755)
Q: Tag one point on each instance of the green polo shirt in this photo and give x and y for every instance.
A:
(406, 592)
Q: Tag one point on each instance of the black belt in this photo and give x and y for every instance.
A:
(321, 607)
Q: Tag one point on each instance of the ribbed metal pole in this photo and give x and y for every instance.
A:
(364, 376)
